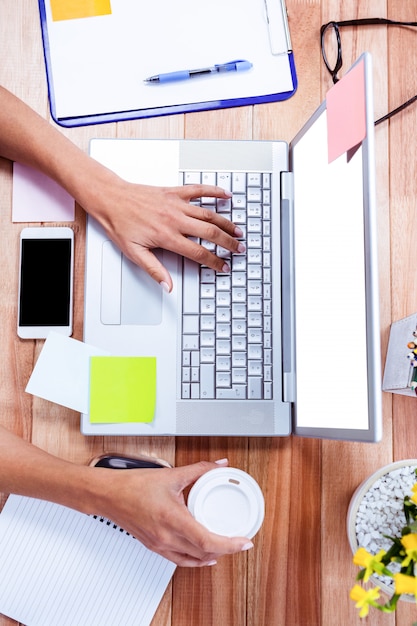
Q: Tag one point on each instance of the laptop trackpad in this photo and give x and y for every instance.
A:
(128, 294)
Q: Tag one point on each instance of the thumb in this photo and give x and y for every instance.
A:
(188, 474)
(148, 261)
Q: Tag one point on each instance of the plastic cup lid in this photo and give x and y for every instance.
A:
(228, 501)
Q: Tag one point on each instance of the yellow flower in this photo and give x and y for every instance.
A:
(405, 584)
(410, 544)
(371, 563)
(414, 496)
(364, 598)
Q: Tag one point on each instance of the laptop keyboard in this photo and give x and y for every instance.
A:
(227, 318)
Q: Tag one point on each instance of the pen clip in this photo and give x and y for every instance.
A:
(236, 65)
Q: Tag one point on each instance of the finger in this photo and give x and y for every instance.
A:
(188, 474)
(201, 255)
(188, 537)
(206, 545)
(185, 560)
(209, 215)
(147, 260)
(190, 192)
(209, 225)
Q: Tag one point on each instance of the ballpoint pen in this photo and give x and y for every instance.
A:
(232, 66)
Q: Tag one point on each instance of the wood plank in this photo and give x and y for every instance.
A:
(403, 189)
(344, 466)
(212, 595)
(222, 124)
(282, 120)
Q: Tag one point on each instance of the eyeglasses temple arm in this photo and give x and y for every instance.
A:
(397, 110)
(373, 21)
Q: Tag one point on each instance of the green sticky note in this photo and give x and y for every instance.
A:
(122, 389)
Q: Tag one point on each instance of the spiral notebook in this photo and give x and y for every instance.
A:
(59, 566)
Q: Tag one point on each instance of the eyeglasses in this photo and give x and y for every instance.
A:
(330, 41)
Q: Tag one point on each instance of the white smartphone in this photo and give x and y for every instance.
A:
(45, 281)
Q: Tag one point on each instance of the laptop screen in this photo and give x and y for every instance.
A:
(336, 277)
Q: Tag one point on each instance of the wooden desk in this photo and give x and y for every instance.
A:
(300, 572)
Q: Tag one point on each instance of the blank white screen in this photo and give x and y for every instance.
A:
(330, 305)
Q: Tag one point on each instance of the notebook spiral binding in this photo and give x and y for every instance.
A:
(109, 523)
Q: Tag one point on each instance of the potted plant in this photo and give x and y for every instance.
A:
(382, 531)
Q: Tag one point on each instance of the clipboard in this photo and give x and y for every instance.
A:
(96, 63)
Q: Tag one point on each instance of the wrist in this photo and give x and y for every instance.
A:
(95, 188)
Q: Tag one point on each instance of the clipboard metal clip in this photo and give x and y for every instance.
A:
(278, 29)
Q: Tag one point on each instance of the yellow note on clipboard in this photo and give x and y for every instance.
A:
(75, 9)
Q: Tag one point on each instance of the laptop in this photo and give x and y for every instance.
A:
(288, 342)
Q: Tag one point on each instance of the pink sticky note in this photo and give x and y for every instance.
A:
(37, 198)
(346, 113)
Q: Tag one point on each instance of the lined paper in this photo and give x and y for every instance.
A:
(58, 566)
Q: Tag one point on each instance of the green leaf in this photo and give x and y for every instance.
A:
(410, 509)
(395, 552)
(391, 605)
(409, 570)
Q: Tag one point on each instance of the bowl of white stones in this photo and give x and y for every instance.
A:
(376, 513)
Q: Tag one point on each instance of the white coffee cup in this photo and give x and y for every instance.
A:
(227, 501)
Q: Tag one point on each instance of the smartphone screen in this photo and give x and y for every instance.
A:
(45, 298)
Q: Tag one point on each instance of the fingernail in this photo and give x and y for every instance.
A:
(241, 248)
(247, 546)
(238, 232)
(227, 193)
(164, 286)
(211, 563)
(225, 268)
(222, 462)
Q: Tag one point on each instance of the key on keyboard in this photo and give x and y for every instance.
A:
(227, 318)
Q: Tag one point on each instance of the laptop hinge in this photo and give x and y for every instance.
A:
(288, 287)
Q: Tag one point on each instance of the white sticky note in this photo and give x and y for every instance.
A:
(62, 372)
(38, 198)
